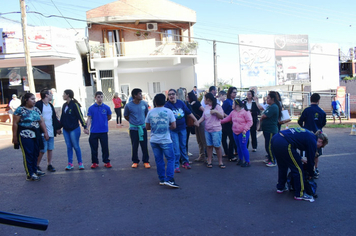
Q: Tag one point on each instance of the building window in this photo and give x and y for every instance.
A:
(105, 74)
(171, 35)
(156, 87)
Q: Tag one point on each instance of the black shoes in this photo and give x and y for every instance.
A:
(50, 168)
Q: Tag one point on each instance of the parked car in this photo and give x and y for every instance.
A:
(287, 103)
(123, 98)
(147, 98)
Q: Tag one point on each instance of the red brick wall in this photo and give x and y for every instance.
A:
(96, 31)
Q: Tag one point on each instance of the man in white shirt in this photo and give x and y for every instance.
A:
(52, 124)
(14, 104)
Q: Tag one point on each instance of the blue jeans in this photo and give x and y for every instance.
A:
(179, 139)
(242, 147)
(72, 141)
(166, 149)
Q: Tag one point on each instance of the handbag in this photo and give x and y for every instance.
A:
(285, 118)
(259, 125)
(189, 121)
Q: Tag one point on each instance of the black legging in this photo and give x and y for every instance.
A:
(253, 133)
(228, 148)
(118, 114)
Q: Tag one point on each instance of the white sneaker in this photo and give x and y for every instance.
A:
(305, 197)
(190, 154)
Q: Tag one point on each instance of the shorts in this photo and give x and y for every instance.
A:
(213, 138)
(336, 112)
(47, 145)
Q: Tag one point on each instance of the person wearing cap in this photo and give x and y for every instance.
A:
(14, 104)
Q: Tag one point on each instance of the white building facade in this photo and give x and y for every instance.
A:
(142, 44)
(55, 58)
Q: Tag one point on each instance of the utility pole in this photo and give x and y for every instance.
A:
(31, 82)
(215, 65)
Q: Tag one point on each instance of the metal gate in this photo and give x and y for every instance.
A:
(107, 86)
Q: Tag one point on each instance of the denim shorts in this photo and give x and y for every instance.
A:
(47, 145)
(213, 138)
(336, 112)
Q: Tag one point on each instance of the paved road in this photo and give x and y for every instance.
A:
(126, 201)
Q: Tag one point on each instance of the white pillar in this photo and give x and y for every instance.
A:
(98, 81)
(116, 77)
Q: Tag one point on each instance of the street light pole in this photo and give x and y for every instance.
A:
(215, 65)
(25, 46)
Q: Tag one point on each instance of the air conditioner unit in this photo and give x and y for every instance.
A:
(152, 26)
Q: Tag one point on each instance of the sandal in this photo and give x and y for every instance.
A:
(222, 166)
(209, 165)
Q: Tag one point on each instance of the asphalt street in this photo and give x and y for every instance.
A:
(126, 201)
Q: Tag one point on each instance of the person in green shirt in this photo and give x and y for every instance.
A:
(269, 124)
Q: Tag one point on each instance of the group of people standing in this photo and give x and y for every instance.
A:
(35, 126)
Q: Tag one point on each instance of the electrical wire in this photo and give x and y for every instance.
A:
(196, 38)
(280, 10)
(65, 18)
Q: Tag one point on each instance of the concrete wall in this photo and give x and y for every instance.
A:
(351, 89)
(168, 79)
(69, 76)
(188, 78)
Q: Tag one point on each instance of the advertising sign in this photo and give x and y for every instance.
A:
(40, 40)
(257, 60)
(324, 66)
(292, 59)
(340, 95)
(14, 77)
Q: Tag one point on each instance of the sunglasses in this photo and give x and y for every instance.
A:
(171, 94)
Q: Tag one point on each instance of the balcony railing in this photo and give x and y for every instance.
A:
(142, 48)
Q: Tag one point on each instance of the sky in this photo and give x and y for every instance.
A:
(324, 21)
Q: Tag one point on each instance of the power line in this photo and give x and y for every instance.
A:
(280, 11)
(197, 38)
(65, 18)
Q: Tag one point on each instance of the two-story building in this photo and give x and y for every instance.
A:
(143, 44)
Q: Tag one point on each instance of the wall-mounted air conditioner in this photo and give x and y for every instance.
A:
(152, 26)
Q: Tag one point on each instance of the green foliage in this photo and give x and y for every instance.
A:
(222, 84)
(349, 78)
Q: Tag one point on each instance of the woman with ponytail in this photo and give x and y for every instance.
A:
(212, 115)
(241, 123)
(269, 125)
(285, 145)
(71, 114)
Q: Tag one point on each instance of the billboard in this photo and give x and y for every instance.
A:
(40, 40)
(268, 60)
(324, 66)
(292, 59)
(257, 60)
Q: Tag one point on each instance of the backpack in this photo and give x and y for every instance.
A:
(309, 185)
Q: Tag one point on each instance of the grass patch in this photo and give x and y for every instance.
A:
(328, 125)
(338, 125)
